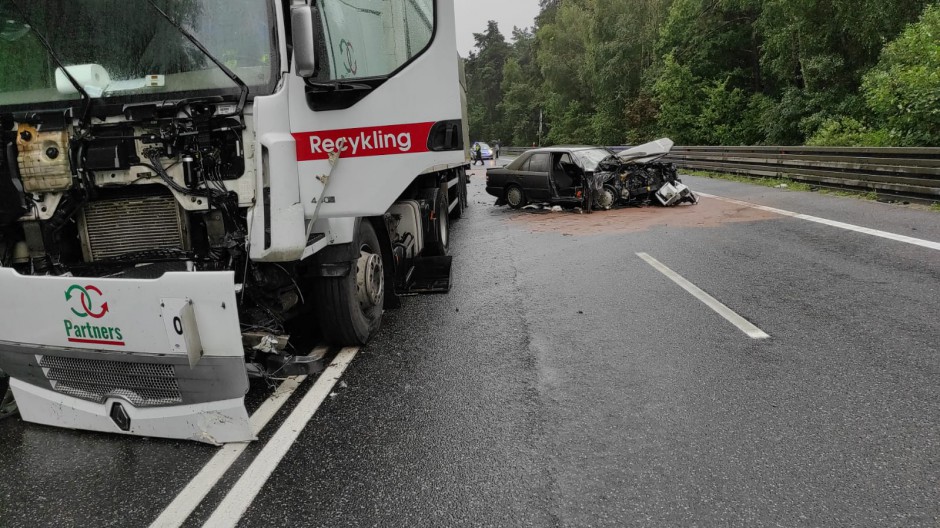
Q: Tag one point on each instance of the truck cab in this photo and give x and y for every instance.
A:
(185, 186)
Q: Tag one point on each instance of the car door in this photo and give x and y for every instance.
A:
(535, 177)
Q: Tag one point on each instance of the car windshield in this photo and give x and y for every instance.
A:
(484, 146)
(590, 158)
(121, 48)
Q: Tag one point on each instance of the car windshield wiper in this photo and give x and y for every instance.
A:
(86, 99)
(243, 96)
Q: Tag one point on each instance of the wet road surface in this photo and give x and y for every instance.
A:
(565, 381)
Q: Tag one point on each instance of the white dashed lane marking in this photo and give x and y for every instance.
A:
(841, 225)
(743, 324)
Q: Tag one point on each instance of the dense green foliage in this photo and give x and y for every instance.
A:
(729, 72)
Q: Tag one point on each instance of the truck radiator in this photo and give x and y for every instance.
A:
(115, 227)
(94, 380)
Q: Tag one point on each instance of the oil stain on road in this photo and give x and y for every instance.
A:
(707, 214)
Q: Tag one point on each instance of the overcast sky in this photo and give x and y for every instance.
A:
(472, 16)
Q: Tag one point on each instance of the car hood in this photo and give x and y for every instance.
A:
(646, 152)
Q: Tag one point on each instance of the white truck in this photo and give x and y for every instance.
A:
(188, 185)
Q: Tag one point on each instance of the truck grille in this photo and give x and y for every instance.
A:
(112, 228)
(142, 384)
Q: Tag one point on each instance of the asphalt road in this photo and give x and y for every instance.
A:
(565, 381)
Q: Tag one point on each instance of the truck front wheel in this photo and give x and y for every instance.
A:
(7, 405)
(349, 309)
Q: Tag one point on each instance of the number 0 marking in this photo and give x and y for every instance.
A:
(178, 325)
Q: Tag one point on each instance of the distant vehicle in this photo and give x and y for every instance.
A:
(540, 176)
(486, 152)
(569, 175)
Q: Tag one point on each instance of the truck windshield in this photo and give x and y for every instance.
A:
(124, 49)
(368, 39)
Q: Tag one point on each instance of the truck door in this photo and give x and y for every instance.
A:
(385, 98)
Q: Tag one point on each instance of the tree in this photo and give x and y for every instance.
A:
(717, 72)
(562, 51)
(903, 89)
(522, 81)
(815, 53)
(484, 81)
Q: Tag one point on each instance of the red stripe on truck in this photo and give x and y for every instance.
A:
(386, 140)
(96, 342)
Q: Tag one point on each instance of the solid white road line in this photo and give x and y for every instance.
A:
(193, 494)
(841, 225)
(240, 497)
(743, 324)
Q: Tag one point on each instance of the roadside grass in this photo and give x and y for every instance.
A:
(785, 183)
(762, 181)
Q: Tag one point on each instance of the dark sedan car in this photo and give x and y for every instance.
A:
(547, 175)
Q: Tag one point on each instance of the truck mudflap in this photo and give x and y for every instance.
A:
(160, 358)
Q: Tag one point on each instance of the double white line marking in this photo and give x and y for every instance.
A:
(240, 497)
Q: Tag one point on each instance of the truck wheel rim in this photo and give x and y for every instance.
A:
(370, 280)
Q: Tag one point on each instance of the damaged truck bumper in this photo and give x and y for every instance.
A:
(160, 358)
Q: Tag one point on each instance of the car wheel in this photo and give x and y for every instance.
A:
(605, 198)
(515, 197)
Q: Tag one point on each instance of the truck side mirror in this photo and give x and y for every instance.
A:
(304, 40)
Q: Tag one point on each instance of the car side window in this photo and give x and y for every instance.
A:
(562, 158)
(540, 162)
(519, 163)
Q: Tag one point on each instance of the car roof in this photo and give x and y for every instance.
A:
(567, 148)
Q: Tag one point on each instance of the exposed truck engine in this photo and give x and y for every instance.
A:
(187, 187)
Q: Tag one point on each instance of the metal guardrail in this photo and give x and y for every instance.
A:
(908, 172)
(912, 172)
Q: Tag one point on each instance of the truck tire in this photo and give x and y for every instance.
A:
(441, 243)
(458, 211)
(461, 194)
(7, 405)
(350, 308)
(464, 195)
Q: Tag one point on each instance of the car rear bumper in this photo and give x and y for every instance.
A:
(495, 191)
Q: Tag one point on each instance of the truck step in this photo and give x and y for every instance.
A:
(430, 275)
